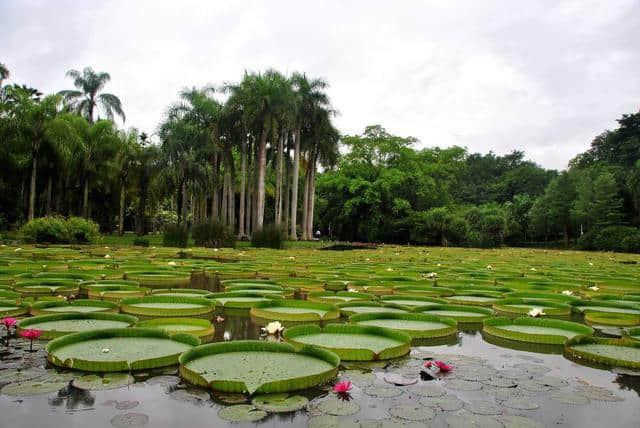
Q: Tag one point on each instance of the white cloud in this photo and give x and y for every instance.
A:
(545, 76)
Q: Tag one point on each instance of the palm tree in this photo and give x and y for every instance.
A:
(4, 73)
(309, 95)
(35, 124)
(127, 158)
(86, 98)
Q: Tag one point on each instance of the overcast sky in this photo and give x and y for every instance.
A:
(541, 76)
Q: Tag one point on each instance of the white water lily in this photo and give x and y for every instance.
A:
(107, 256)
(215, 249)
(590, 264)
(535, 312)
(172, 263)
(439, 265)
(226, 335)
(567, 293)
(106, 248)
(18, 249)
(105, 350)
(153, 248)
(274, 327)
(352, 290)
(367, 260)
(533, 269)
(432, 275)
(489, 267)
(389, 269)
(594, 288)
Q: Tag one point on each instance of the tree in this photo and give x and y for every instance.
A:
(86, 98)
(4, 73)
(129, 152)
(34, 124)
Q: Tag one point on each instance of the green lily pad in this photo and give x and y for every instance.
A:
(427, 389)
(127, 420)
(21, 375)
(108, 381)
(418, 326)
(329, 421)
(567, 397)
(383, 391)
(520, 404)
(462, 385)
(513, 421)
(193, 396)
(613, 352)
(412, 413)
(357, 377)
(280, 403)
(482, 407)
(242, 413)
(598, 393)
(500, 382)
(535, 330)
(32, 387)
(446, 403)
(400, 379)
(336, 407)
(554, 382)
(469, 420)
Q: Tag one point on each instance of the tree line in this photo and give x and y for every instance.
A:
(264, 151)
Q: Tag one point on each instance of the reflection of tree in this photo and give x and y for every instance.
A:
(629, 383)
(72, 398)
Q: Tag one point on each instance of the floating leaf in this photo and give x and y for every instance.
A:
(597, 393)
(280, 403)
(462, 385)
(32, 387)
(428, 389)
(467, 420)
(129, 420)
(521, 404)
(566, 397)
(192, 396)
(412, 413)
(108, 381)
(513, 421)
(242, 413)
(447, 403)
(334, 406)
(482, 407)
(383, 391)
(400, 379)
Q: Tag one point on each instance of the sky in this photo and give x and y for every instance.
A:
(545, 77)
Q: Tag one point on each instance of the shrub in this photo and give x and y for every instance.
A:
(612, 238)
(268, 237)
(141, 241)
(175, 235)
(82, 231)
(213, 234)
(57, 230)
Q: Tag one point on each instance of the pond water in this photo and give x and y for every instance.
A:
(496, 385)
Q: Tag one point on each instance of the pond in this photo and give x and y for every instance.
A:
(490, 385)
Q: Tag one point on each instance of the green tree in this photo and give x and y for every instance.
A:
(87, 97)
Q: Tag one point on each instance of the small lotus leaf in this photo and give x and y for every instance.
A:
(554, 382)
(280, 403)
(242, 413)
(482, 407)
(427, 389)
(412, 413)
(469, 420)
(129, 420)
(521, 404)
(193, 396)
(383, 391)
(357, 377)
(566, 397)
(334, 406)
(32, 387)
(108, 381)
(328, 421)
(447, 403)
(462, 385)
(597, 393)
(400, 379)
(513, 421)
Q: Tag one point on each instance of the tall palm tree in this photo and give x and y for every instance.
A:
(36, 123)
(86, 98)
(309, 95)
(127, 158)
(4, 73)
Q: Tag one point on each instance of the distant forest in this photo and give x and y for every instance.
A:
(264, 152)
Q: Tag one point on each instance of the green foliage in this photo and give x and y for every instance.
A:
(269, 237)
(57, 230)
(175, 235)
(213, 234)
(623, 239)
(141, 241)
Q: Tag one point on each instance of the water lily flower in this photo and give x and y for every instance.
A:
(439, 265)
(432, 275)
(17, 249)
(389, 269)
(273, 327)
(441, 365)
(594, 288)
(567, 293)
(172, 263)
(31, 334)
(489, 267)
(533, 269)
(153, 248)
(590, 264)
(107, 256)
(219, 318)
(342, 387)
(352, 290)
(215, 249)
(226, 335)
(535, 312)
(9, 322)
(105, 350)
(106, 248)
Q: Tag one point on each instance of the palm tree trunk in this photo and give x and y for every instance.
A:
(279, 173)
(185, 199)
(85, 198)
(294, 184)
(121, 217)
(32, 188)
(311, 204)
(305, 203)
(224, 197)
(215, 198)
(287, 196)
(262, 166)
(232, 204)
(49, 193)
(243, 173)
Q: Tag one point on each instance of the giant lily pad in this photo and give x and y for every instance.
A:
(460, 313)
(56, 325)
(280, 403)
(257, 366)
(9, 308)
(352, 342)
(523, 306)
(242, 413)
(240, 299)
(167, 306)
(295, 310)
(195, 326)
(77, 306)
(339, 297)
(107, 381)
(125, 349)
(612, 352)
(535, 330)
(409, 302)
(417, 326)
(364, 307)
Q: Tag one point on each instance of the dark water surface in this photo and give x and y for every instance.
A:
(160, 402)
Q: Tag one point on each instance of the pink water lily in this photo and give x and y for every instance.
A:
(342, 387)
(31, 334)
(441, 365)
(9, 322)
